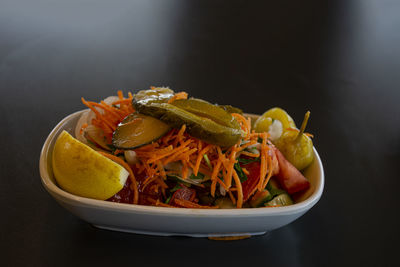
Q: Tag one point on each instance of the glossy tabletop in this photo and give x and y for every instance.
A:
(338, 59)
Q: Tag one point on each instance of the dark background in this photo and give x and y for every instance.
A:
(339, 59)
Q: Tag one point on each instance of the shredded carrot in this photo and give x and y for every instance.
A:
(179, 137)
(253, 142)
(292, 129)
(180, 95)
(118, 151)
(185, 156)
(230, 170)
(131, 175)
(122, 101)
(253, 155)
(159, 203)
(161, 169)
(175, 155)
(169, 152)
(214, 176)
(155, 152)
(156, 156)
(264, 162)
(239, 190)
(199, 158)
(223, 185)
(232, 197)
(120, 95)
(269, 172)
(262, 174)
(147, 181)
(245, 123)
(188, 204)
(185, 170)
(245, 171)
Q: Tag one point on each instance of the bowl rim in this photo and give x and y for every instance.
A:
(58, 193)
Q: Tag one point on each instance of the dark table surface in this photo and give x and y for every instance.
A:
(339, 59)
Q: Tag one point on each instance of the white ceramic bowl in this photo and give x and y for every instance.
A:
(174, 221)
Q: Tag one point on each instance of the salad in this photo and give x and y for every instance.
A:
(185, 152)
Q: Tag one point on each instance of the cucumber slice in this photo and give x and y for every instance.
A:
(260, 198)
(137, 130)
(280, 200)
(224, 203)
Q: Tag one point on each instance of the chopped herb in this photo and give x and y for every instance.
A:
(199, 176)
(178, 179)
(207, 161)
(259, 140)
(245, 161)
(207, 183)
(176, 188)
(240, 173)
(168, 199)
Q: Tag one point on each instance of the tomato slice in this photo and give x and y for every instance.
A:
(291, 179)
(123, 196)
(253, 178)
(183, 193)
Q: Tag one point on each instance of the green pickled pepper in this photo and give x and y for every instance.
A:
(297, 147)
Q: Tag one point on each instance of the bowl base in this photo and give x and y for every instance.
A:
(143, 232)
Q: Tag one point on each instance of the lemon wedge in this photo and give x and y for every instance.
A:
(82, 171)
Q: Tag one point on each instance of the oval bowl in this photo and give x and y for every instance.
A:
(174, 221)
